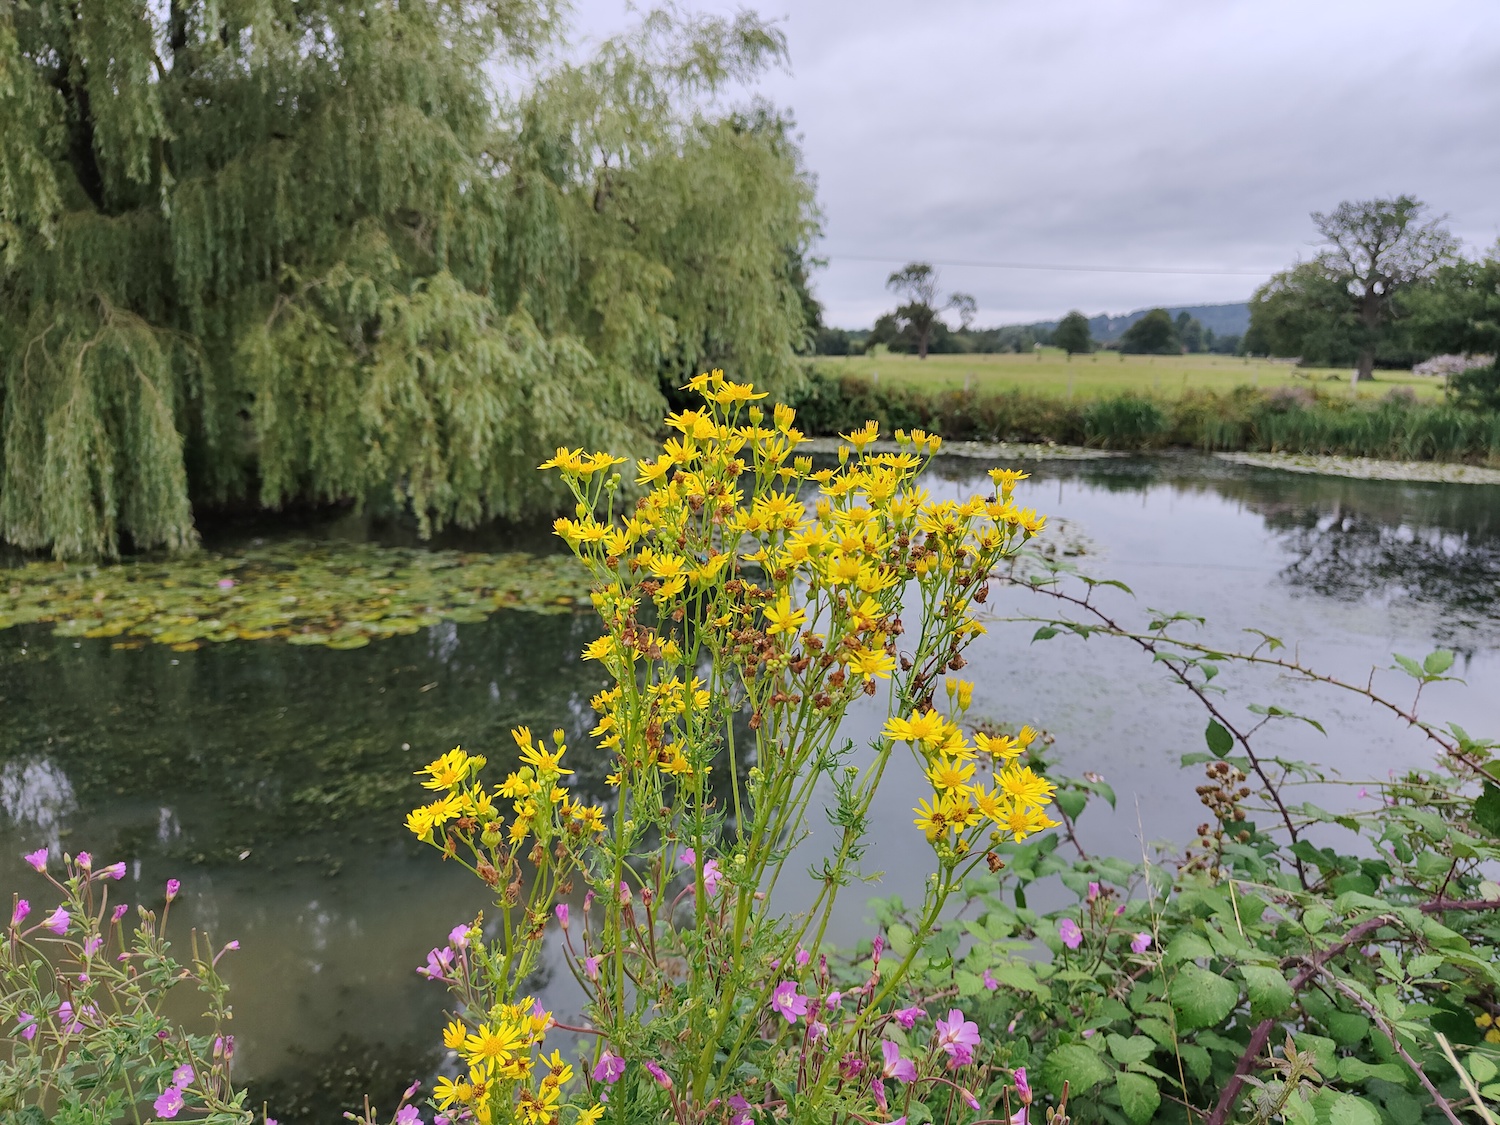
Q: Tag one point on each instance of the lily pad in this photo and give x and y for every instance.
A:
(339, 595)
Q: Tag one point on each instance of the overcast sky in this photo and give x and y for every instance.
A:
(1167, 134)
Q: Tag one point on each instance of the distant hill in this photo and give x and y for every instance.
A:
(1224, 320)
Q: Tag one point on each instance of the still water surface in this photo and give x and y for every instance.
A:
(272, 779)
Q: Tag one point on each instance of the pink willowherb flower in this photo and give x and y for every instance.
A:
(1140, 943)
(408, 1115)
(37, 859)
(957, 1037)
(84, 861)
(439, 961)
(183, 1076)
(169, 1105)
(711, 876)
(591, 968)
(894, 1066)
(787, 1001)
(26, 1028)
(57, 922)
(119, 912)
(906, 1017)
(610, 1068)
(91, 945)
(113, 871)
(1070, 934)
(739, 1110)
(990, 982)
(458, 937)
(662, 1078)
(687, 857)
(1023, 1087)
(18, 915)
(173, 886)
(562, 915)
(803, 957)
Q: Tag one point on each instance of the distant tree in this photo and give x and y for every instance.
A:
(1378, 248)
(1306, 312)
(1154, 334)
(1072, 334)
(966, 307)
(917, 282)
(1459, 312)
(1189, 332)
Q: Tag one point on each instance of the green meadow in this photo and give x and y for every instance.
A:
(1106, 374)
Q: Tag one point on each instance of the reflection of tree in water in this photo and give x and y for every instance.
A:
(1437, 544)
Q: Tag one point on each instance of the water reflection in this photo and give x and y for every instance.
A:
(272, 779)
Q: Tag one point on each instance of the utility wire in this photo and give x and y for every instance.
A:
(1059, 268)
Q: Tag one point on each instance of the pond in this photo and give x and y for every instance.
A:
(272, 778)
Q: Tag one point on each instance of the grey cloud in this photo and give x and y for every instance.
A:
(1154, 133)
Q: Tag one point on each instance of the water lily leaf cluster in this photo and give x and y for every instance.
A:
(338, 595)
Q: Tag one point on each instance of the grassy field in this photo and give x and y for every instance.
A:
(1105, 374)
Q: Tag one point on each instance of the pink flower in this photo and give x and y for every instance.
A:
(787, 1001)
(226, 583)
(803, 956)
(711, 876)
(834, 1000)
(990, 982)
(458, 937)
(1093, 891)
(84, 861)
(901, 1069)
(1140, 943)
(659, 1074)
(26, 1029)
(173, 886)
(610, 1068)
(182, 1076)
(562, 915)
(68, 1020)
(624, 893)
(37, 859)
(91, 945)
(1070, 934)
(687, 857)
(232, 946)
(407, 1115)
(439, 961)
(739, 1111)
(816, 1030)
(113, 871)
(1023, 1087)
(170, 1103)
(591, 967)
(906, 1017)
(57, 921)
(119, 912)
(876, 948)
(957, 1037)
(18, 915)
(969, 1099)
(1363, 792)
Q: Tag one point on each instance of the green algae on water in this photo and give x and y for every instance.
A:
(338, 595)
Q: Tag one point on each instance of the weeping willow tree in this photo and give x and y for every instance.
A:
(310, 250)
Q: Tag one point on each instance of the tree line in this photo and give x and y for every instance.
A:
(268, 253)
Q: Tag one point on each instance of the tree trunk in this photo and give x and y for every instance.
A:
(1364, 369)
(922, 342)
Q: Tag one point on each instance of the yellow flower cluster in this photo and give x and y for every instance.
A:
(540, 805)
(793, 576)
(498, 1054)
(963, 806)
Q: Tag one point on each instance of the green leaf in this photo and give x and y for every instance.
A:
(1201, 998)
(1197, 1060)
(1438, 662)
(1269, 992)
(1357, 1070)
(1219, 740)
(1135, 1049)
(1076, 1065)
(1139, 1097)
(1423, 965)
(1409, 666)
(1045, 633)
(1347, 1028)
(1487, 809)
(1482, 1068)
(1350, 1110)
(1188, 946)
(1071, 801)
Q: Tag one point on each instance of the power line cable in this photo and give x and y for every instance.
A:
(1051, 267)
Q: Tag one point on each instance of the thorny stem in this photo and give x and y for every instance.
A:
(1390, 1034)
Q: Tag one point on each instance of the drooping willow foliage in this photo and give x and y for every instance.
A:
(305, 249)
